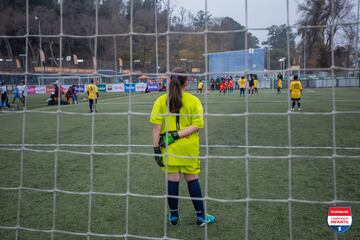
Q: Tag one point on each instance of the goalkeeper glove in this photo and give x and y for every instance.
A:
(169, 138)
(158, 159)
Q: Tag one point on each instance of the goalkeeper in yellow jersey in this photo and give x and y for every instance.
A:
(295, 92)
(178, 135)
(93, 95)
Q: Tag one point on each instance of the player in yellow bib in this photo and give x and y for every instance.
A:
(279, 83)
(178, 135)
(200, 86)
(255, 84)
(295, 92)
(242, 85)
(93, 95)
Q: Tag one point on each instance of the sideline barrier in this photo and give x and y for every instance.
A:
(102, 87)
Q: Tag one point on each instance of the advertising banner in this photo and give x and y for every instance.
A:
(80, 88)
(65, 88)
(49, 89)
(118, 87)
(41, 89)
(153, 87)
(31, 89)
(101, 87)
(140, 87)
(129, 87)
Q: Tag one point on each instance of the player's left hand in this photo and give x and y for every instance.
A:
(158, 159)
(169, 138)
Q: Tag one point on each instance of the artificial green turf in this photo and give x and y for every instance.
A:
(268, 168)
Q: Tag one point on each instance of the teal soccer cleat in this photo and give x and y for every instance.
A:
(208, 219)
(174, 220)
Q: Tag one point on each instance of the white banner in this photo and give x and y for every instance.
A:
(140, 87)
(118, 87)
(40, 89)
(65, 87)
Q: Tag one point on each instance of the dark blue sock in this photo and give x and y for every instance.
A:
(195, 192)
(173, 190)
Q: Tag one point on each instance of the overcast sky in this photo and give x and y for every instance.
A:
(261, 13)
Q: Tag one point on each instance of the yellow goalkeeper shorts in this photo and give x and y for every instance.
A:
(191, 169)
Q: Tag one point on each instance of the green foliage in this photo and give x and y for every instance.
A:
(319, 41)
(114, 18)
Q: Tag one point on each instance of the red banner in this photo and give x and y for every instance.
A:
(339, 211)
(31, 89)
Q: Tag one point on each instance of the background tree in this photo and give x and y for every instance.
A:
(114, 18)
(277, 39)
(320, 39)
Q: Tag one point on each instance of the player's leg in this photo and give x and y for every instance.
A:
(2, 100)
(16, 97)
(298, 104)
(173, 190)
(91, 102)
(95, 103)
(7, 101)
(194, 189)
(293, 104)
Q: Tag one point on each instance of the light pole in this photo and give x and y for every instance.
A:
(23, 56)
(40, 50)
(184, 60)
(251, 52)
(269, 48)
(282, 64)
(305, 46)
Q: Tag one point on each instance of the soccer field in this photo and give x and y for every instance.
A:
(248, 177)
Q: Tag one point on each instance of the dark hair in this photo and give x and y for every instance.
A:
(91, 80)
(296, 77)
(176, 83)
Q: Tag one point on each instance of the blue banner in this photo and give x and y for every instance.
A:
(153, 87)
(80, 88)
(130, 87)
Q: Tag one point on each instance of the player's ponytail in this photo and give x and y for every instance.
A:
(177, 82)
